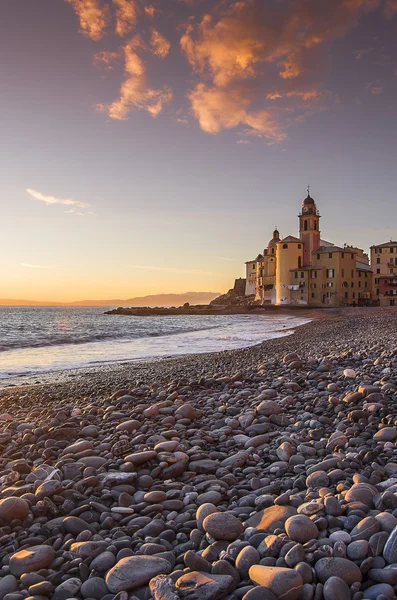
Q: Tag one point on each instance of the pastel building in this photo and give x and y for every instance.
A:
(307, 270)
(384, 266)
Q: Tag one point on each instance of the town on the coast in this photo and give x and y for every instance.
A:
(310, 271)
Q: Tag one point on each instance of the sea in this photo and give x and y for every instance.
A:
(36, 340)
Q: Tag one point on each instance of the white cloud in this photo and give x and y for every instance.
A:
(52, 200)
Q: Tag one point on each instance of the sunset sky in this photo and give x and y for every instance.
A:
(152, 146)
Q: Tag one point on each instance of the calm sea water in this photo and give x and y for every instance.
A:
(35, 340)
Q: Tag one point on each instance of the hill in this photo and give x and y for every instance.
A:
(150, 300)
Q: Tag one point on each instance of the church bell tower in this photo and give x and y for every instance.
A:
(309, 228)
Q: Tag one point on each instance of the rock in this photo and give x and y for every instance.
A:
(94, 587)
(203, 511)
(338, 567)
(74, 525)
(336, 589)
(204, 586)
(8, 585)
(128, 426)
(67, 589)
(223, 526)
(361, 492)
(186, 411)
(268, 407)
(271, 518)
(13, 508)
(135, 571)
(163, 588)
(31, 559)
(285, 584)
(259, 593)
(380, 590)
(301, 529)
(390, 549)
(386, 434)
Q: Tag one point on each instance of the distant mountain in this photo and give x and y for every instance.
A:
(154, 300)
(151, 300)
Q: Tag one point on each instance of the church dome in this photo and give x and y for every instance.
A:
(308, 201)
(275, 238)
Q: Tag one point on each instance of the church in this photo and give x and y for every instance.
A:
(308, 270)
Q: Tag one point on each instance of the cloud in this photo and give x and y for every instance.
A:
(216, 109)
(135, 91)
(150, 10)
(361, 53)
(224, 258)
(30, 266)
(375, 87)
(75, 205)
(160, 45)
(126, 16)
(106, 59)
(250, 49)
(391, 8)
(54, 200)
(93, 17)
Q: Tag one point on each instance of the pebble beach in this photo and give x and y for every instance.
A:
(268, 473)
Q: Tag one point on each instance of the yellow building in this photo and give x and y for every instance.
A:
(310, 271)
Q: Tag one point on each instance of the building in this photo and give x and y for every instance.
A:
(384, 266)
(308, 270)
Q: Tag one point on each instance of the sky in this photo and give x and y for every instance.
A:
(151, 146)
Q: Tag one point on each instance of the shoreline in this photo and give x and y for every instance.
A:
(106, 375)
(60, 375)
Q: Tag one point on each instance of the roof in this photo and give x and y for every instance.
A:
(385, 245)
(290, 238)
(308, 200)
(329, 249)
(362, 266)
(325, 243)
(310, 268)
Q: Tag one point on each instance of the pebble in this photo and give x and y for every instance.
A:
(261, 475)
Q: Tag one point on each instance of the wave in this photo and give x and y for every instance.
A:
(20, 344)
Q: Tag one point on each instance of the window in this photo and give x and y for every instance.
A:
(391, 271)
(285, 246)
(315, 225)
(346, 295)
(366, 274)
(391, 250)
(352, 272)
(366, 284)
(330, 284)
(318, 257)
(299, 262)
(352, 255)
(354, 294)
(272, 250)
(312, 295)
(378, 261)
(296, 275)
(352, 284)
(305, 225)
(359, 273)
(314, 274)
(343, 272)
(330, 255)
(377, 292)
(302, 275)
(330, 273)
(359, 284)
(377, 271)
(299, 246)
(376, 279)
(343, 255)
